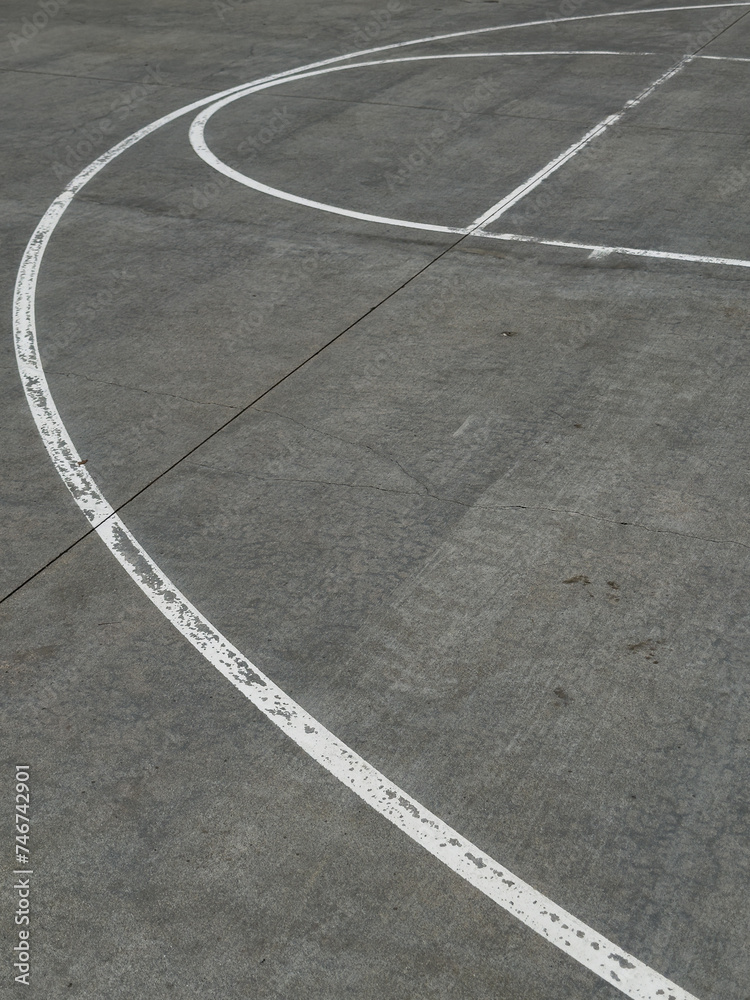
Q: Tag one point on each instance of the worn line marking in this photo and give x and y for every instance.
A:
(576, 939)
(522, 190)
(604, 251)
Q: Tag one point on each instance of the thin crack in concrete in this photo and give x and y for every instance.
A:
(476, 506)
(137, 388)
(352, 444)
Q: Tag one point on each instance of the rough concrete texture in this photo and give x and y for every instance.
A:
(479, 506)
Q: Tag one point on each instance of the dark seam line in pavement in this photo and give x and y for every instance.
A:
(632, 127)
(723, 30)
(430, 496)
(297, 368)
(259, 477)
(53, 560)
(236, 416)
(184, 86)
(289, 374)
(519, 117)
(414, 237)
(720, 33)
(509, 114)
(606, 520)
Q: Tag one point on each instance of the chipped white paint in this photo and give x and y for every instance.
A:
(560, 928)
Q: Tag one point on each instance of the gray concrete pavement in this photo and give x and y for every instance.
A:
(479, 506)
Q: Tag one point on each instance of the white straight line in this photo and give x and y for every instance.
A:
(534, 181)
(726, 58)
(502, 206)
(576, 939)
(606, 250)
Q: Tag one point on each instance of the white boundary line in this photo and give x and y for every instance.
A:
(604, 251)
(494, 213)
(576, 939)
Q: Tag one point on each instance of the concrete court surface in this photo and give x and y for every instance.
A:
(478, 505)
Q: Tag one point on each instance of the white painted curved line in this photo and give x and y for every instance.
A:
(478, 226)
(570, 935)
(198, 142)
(201, 147)
(539, 913)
